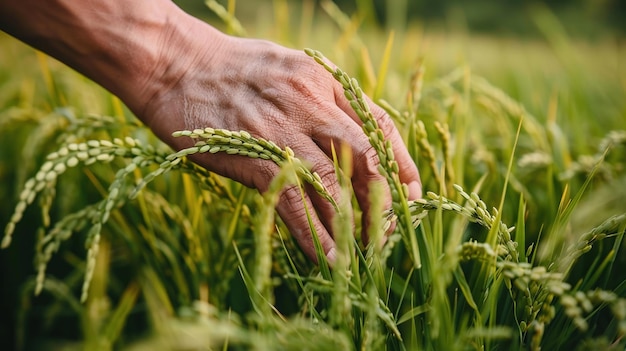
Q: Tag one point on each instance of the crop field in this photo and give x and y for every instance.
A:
(113, 241)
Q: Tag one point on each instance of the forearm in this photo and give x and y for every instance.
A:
(122, 45)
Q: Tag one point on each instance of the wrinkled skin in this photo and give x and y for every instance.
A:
(284, 96)
(176, 72)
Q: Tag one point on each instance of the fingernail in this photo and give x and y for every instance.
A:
(331, 256)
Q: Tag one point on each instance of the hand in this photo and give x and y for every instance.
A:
(280, 95)
(176, 72)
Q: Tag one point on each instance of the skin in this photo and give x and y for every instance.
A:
(176, 72)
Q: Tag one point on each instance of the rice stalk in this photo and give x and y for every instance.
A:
(388, 165)
(426, 150)
(58, 162)
(242, 143)
(443, 131)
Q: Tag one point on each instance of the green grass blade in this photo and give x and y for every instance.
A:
(116, 322)
(383, 68)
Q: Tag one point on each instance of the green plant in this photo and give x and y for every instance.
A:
(198, 261)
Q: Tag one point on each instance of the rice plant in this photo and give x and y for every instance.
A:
(517, 244)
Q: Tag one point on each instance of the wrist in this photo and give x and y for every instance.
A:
(183, 41)
(135, 49)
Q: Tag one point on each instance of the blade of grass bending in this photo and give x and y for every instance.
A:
(249, 283)
(616, 246)
(491, 306)
(620, 289)
(404, 290)
(565, 212)
(493, 233)
(596, 270)
(232, 226)
(466, 290)
(158, 303)
(368, 73)
(383, 68)
(412, 313)
(415, 333)
(116, 322)
(388, 291)
(260, 303)
(319, 250)
(534, 253)
(298, 279)
(232, 23)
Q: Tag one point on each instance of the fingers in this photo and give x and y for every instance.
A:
(366, 159)
(299, 220)
(317, 214)
(407, 169)
(343, 129)
(320, 163)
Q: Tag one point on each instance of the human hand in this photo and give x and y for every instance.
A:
(280, 95)
(176, 72)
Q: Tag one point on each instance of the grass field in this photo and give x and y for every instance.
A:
(517, 244)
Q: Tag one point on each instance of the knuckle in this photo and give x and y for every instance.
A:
(289, 197)
(307, 78)
(366, 162)
(261, 177)
(385, 122)
(328, 177)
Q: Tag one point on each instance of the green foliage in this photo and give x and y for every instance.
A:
(136, 247)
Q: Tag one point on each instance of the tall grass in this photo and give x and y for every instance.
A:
(517, 244)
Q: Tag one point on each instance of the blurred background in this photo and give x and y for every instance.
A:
(571, 51)
(589, 19)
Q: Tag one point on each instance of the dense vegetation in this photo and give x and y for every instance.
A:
(518, 243)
